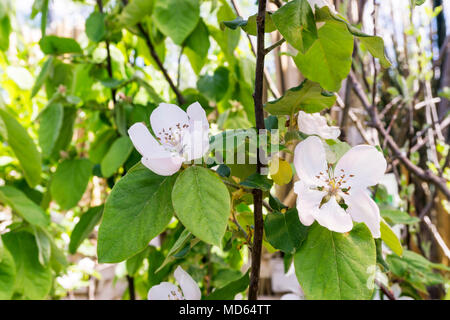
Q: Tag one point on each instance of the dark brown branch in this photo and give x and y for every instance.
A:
(385, 290)
(131, 290)
(259, 116)
(422, 174)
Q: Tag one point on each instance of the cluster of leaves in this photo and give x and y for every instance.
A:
(88, 96)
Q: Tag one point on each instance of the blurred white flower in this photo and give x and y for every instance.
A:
(180, 136)
(315, 124)
(321, 188)
(188, 290)
(322, 3)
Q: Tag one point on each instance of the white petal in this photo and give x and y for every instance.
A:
(196, 142)
(143, 140)
(363, 209)
(291, 296)
(314, 123)
(196, 113)
(190, 288)
(165, 291)
(322, 3)
(310, 160)
(333, 217)
(163, 166)
(167, 117)
(365, 162)
(308, 201)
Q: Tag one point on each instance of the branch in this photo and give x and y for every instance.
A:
(275, 45)
(259, 116)
(422, 174)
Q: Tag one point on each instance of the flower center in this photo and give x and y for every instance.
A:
(172, 138)
(333, 182)
(175, 295)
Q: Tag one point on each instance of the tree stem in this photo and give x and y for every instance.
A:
(259, 116)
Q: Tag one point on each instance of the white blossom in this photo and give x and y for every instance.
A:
(322, 188)
(188, 290)
(315, 124)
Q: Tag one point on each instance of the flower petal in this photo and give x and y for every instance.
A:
(308, 201)
(291, 296)
(197, 141)
(167, 117)
(333, 217)
(314, 123)
(190, 288)
(196, 113)
(363, 209)
(165, 291)
(310, 160)
(365, 162)
(163, 166)
(143, 140)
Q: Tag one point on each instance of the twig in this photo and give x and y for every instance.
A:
(132, 293)
(259, 116)
(437, 236)
(275, 45)
(385, 290)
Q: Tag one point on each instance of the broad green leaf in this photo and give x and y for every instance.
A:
(229, 291)
(295, 21)
(116, 156)
(95, 26)
(5, 30)
(137, 210)
(44, 246)
(101, 145)
(50, 122)
(197, 46)
(23, 146)
(70, 181)
(398, 217)
(84, 227)
(308, 96)
(33, 281)
(176, 18)
(58, 45)
(284, 231)
(329, 58)
(202, 203)
(227, 39)
(336, 266)
(184, 238)
(21, 76)
(249, 25)
(66, 132)
(389, 237)
(257, 181)
(134, 263)
(135, 11)
(7, 275)
(42, 76)
(23, 206)
(216, 86)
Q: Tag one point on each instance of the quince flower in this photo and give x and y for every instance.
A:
(314, 123)
(180, 136)
(321, 189)
(168, 291)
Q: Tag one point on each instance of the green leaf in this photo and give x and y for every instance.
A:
(335, 149)
(202, 203)
(137, 210)
(95, 26)
(7, 275)
(135, 11)
(398, 217)
(101, 145)
(66, 132)
(216, 86)
(51, 119)
(229, 291)
(285, 231)
(197, 46)
(134, 263)
(116, 156)
(389, 237)
(58, 45)
(23, 147)
(181, 242)
(308, 97)
(23, 206)
(42, 76)
(295, 21)
(329, 58)
(84, 227)
(249, 25)
(258, 181)
(336, 266)
(5, 30)
(176, 18)
(44, 246)
(33, 281)
(70, 181)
